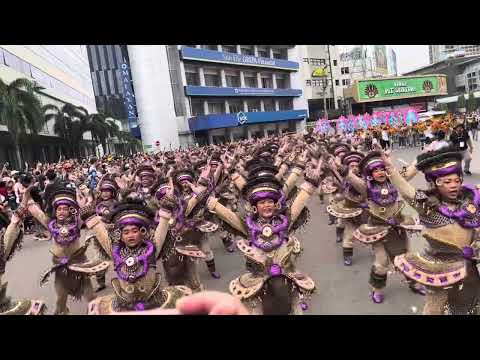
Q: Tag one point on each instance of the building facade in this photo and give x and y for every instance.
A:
(323, 83)
(64, 74)
(199, 94)
(463, 77)
(462, 73)
(112, 84)
(442, 52)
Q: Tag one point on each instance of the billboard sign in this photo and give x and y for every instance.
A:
(401, 87)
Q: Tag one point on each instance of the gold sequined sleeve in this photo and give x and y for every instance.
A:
(306, 190)
(95, 223)
(238, 180)
(281, 172)
(161, 230)
(358, 183)
(226, 215)
(401, 184)
(38, 214)
(11, 234)
(291, 180)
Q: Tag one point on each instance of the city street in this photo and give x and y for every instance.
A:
(340, 289)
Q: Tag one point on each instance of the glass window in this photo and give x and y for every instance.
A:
(267, 82)
(345, 70)
(235, 106)
(346, 82)
(280, 54)
(269, 104)
(229, 48)
(192, 75)
(233, 78)
(212, 78)
(305, 60)
(250, 79)
(246, 49)
(197, 107)
(216, 106)
(337, 82)
(282, 81)
(285, 104)
(253, 105)
(308, 82)
(334, 62)
(263, 52)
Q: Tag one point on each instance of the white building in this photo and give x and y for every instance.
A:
(64, 73)
(441, 52)
(202, 94)
(322, 78)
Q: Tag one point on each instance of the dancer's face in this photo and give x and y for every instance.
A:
(106, 195)
(147, 181)
(379, 175)
(449, 186)
(131, 235)
(62, 212)
(353, 167)
(185, 186)
(266, 208)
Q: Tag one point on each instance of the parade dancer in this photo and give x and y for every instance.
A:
(146, 175)
(348, 206)
(332, 187)
(180, 251)
(450, 213)
(108, 194)
(271, 285)
(8, 245)
(387, 227)
(203, 228)
(70, 265)
(134, 244)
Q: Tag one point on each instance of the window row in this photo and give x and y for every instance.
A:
(42, 78)
(218, 106)
(318, 62)
(262, 51)
(213, 77)
(324, 83)
(317, 82)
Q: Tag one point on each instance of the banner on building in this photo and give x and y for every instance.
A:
(129, 100)
(381, 62)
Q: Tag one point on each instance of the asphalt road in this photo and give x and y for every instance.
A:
(340, 289)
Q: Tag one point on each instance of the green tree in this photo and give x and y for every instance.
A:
(20, 111)
(132, 143)
(100, 129)
(71, 122)
(443, 107)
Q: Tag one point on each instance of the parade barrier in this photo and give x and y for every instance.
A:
(395, 118)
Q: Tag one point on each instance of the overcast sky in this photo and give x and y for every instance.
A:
(410, 57)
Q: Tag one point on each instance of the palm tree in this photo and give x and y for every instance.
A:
(131, 141)
(70, 124)
(100, 129)
(20, 110)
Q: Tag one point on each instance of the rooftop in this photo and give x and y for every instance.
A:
(445, 63)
